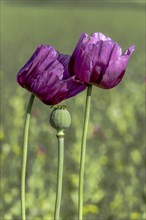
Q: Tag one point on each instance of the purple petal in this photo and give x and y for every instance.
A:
(64, 60)
(129, 51)
(93, 59)
(57, 90)
(82, 40)
(94, 38)
(40, 60)
(116, 69)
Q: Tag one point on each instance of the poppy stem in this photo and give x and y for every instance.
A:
(24, 156)
(83, 152)
(60, 137)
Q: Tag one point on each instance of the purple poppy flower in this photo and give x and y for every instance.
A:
(46, 76)
(99, 61)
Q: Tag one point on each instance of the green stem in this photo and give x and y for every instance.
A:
(24, 159)
(83, 152)
(60, 136)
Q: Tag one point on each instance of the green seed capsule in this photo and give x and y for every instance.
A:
(60, 118)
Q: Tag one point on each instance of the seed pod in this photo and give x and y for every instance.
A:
(60, 118)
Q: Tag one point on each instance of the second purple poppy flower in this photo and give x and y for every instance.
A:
(99, 61)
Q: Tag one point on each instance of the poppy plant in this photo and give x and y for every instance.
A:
(46, 76)
(99, 61)
(96, 61)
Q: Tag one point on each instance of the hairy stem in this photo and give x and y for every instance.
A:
(59, 175)
(24, 159)
(83, 152)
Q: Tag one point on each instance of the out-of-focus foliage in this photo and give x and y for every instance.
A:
(114, 177)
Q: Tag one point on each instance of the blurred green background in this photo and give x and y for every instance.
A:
(115, 168)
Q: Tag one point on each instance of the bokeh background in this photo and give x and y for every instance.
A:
(115, 161)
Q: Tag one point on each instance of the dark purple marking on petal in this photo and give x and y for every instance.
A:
(104, 67)
(64, 60)
(83, 40)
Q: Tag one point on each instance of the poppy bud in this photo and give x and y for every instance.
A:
(60, 119)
